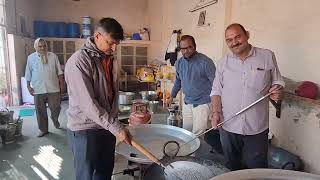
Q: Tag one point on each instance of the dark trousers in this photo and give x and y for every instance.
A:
(93, 152)
(54, 102)
(251, 149)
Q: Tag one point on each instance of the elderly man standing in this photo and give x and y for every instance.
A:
(243, 76)
(44, 72)
(91, 76)
(194, 74)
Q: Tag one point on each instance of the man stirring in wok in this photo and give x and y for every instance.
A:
(243, 76)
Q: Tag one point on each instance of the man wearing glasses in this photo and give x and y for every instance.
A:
(91, 76)
(194, 75)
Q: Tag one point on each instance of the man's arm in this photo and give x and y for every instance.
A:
(59, 73)
(177, 86)
(210, 70)
(61, 83)
(28, 75)
(216, 114)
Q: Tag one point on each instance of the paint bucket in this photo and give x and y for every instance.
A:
(86, 26)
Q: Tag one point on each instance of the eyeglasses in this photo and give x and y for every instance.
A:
(186, 48)
(111, 43)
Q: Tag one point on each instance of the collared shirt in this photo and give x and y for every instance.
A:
(195, 76)
(43, 77)
(240, 83)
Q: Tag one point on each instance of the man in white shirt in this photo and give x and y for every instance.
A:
(45, 82)
(243, 76)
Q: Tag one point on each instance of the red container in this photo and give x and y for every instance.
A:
(139, 114)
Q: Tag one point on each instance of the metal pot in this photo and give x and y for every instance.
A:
(153, 105)
(148, 95)
(154, 137)
(184, 168)
(18, 131)
(266, 174)
(9, 135)
(126, 98)
(6, 116)
(175, 118)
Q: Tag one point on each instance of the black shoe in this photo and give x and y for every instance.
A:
(57, 125)
(41, 134)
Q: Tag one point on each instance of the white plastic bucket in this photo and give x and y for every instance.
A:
(86, 26)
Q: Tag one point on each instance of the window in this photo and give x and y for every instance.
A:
(4, 90)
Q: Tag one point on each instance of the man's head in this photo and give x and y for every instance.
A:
(108, 34)
(187, 46)
(237, 38)
(40, 45)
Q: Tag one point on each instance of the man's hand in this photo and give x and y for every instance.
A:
(31, 90)
(277, 93)
(62, 89)
(124, 136)
(216, 118)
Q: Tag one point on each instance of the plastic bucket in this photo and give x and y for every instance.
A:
(86, 26)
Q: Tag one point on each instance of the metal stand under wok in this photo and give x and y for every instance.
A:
(140, 168)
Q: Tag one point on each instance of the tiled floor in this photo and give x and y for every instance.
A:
(47, 158)
(50, 158)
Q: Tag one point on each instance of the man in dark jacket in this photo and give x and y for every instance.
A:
(91, 76)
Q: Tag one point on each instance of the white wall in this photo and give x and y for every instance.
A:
(19, 49)
(288, 27)
(131, 14)
(17, 8)
(298, 130)
(166, 15)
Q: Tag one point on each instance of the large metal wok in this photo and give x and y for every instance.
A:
(153, 137)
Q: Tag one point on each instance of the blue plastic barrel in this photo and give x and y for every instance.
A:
(40, 29)
(73, 30)
(62, 30)
(53, 29)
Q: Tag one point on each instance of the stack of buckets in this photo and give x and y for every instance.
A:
(62, 29)
(86, 26)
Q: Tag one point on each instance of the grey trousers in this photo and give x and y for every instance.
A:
(250, 149)
(54, 102)
(93, 152)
